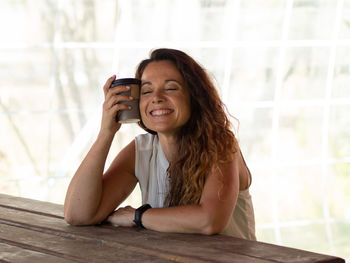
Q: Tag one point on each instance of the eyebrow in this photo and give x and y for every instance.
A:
(166, 81)
(145, 83)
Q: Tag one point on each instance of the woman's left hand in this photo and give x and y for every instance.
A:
(123, 216)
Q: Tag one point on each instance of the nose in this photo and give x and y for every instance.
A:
(158, 96)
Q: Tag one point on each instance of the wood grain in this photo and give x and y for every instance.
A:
(37, 231)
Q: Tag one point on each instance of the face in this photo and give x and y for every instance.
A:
(165, 99)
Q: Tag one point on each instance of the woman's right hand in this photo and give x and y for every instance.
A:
(111, 105)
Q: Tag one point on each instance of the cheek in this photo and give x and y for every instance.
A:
(186, 108)
(188, 113)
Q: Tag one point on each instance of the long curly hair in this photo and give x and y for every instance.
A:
(205, 141)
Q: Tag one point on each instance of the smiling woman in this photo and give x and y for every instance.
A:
(165, 99)
(282, 70)
(190, 169)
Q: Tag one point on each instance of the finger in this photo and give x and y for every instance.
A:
(111, 220)
(118, 97)
(116, 90)
(116, 100)
(112, 114)
(108, 84)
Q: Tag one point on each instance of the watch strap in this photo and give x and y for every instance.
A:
(138, 214)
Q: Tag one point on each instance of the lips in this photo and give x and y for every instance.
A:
(160, 112)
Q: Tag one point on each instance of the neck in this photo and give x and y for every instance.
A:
(169, 145)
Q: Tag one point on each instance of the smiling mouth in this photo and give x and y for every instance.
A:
(161, 112)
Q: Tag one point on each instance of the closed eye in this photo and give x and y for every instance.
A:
(172, 85)
(145, 92)
(146, 89)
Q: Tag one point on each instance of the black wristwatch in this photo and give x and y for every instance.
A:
(138, 214)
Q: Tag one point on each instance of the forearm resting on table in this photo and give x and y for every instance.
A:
(85, 190)
(185, 219)
(210, 216)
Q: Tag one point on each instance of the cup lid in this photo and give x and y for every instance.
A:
(125, 81)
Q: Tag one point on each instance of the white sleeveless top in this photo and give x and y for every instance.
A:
(151, 171)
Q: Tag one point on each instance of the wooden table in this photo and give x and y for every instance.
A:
(34, 231)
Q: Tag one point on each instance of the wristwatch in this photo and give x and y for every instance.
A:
(138, 214)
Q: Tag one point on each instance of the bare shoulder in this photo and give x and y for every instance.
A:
(244, 173)
(236, 172)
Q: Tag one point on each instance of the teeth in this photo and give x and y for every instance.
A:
(160, 112)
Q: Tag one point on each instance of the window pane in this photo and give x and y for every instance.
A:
(161, 20)
(127, 59)
(263, 13)
(253, 75)
(341, 233)
(214, 18)
(28, 134)
(254, 132)
(339, 191)
(214, 61)
(71, 134)
(25, 79)
(299, 134)
(310, 237)
(300, 193)
(339, 133)
(312, 19)
(80, 76)
(264, 208)
(21, 20)
(305, 73)
(341, 87)
(345, 22)
(88, 20)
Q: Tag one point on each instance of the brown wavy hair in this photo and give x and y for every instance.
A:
(205, 141)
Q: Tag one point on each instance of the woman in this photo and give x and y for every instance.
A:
(189, 165)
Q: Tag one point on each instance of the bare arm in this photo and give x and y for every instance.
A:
(85, 189)
(89, 198)
(211, 216)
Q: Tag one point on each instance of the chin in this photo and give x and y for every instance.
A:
(162, 129)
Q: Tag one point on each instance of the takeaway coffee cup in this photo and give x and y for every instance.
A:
(132, 115)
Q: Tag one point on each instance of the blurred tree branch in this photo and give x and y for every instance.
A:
(21, 139)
